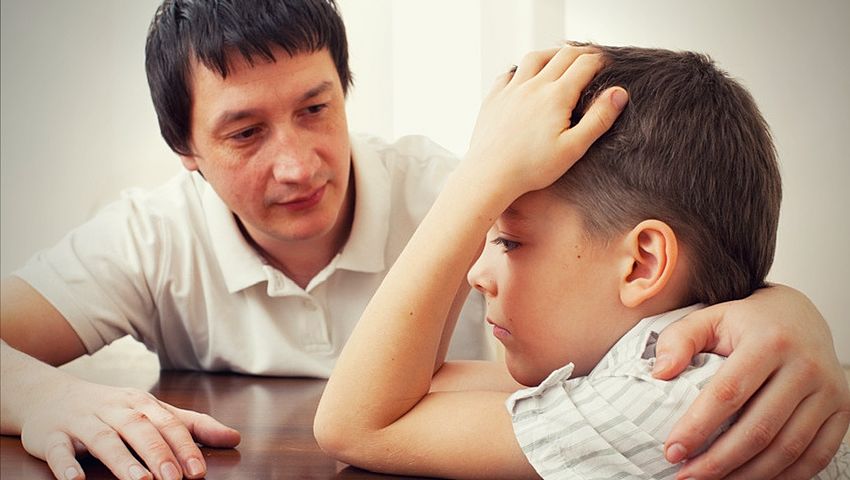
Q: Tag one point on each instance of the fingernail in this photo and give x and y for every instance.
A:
(170, 472)
(71, 473)
(662, 362)
(137, 472)
(675, 453)
(195, 467)
(619, 98)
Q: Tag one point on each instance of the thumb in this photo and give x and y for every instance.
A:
(679, 342)
(206, 430)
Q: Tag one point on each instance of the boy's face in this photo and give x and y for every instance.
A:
(551, 292)
(272, 140)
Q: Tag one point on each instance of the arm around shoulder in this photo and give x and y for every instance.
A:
(799, 380)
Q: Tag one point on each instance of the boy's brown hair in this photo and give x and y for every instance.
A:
(692, 150)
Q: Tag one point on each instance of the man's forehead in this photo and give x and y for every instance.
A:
(233, 59)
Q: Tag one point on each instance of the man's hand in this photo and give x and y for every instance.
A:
(779, 349)
(60, 416)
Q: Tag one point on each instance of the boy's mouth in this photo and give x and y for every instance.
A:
(498, 331)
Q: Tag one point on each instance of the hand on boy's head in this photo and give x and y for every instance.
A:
(523, 139)
(794, 400)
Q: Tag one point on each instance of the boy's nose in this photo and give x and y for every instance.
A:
(479, 278)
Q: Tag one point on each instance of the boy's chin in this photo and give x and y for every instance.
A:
(523, 373)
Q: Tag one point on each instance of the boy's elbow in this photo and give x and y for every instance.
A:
(336, 436)
(351, 443)
(329, 438)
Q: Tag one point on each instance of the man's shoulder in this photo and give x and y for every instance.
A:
(178, 201)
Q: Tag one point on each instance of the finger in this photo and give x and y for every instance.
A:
(820, 452)
(735, 382)
(562, 60)
(577, 77)
(60, 457)
(758, 426)
(104, 443)
(138, 429)
(502, 80)
(809, 422)
(598, 119)
(179, 439)
(532, 63)
(205, 429)
(679, 342)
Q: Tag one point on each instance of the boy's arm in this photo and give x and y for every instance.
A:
(57, 414)
(474, 375)
(782, 370)
(377, 411)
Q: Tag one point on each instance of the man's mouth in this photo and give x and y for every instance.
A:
(304, 202)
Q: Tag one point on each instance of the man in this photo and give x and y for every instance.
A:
(262, 255)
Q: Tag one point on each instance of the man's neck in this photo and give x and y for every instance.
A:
(303, 260)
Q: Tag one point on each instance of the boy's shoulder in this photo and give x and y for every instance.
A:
(619, 408)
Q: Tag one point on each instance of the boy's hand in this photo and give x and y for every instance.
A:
(522, 139)
(74, 416)
(779, 349)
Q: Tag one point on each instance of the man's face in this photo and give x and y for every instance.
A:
(550, 290)
(272, 140)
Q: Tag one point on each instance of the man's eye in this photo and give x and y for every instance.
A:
(314, 109)
(506, 244)
(246, 134)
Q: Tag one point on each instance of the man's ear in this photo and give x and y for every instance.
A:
(648, 261)
(190, 162)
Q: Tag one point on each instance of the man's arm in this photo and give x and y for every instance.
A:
(58, 415)
(32, 325)
(782, 370)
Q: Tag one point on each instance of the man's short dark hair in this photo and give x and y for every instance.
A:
(210, 31)
(691, 149)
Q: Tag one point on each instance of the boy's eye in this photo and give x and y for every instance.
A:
(506, 244)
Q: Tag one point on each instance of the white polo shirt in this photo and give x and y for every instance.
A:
(171, 268)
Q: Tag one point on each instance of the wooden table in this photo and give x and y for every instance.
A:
(274, 415)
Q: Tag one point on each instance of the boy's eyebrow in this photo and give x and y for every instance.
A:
(514, 214)
(235, 115)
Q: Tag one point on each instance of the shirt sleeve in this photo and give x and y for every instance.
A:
(100, 275)
(607, 425)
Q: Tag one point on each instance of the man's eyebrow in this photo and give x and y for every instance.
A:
(229, 116)
(316, 91)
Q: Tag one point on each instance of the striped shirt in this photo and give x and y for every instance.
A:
(612, 423)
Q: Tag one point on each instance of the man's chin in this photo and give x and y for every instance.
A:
(301, 231)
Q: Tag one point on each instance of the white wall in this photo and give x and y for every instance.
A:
(77, 123)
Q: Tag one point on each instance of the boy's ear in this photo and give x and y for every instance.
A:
(649, 258)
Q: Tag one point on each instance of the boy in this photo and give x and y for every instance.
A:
(676, 204)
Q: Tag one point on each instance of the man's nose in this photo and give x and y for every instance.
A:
(294, 160)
